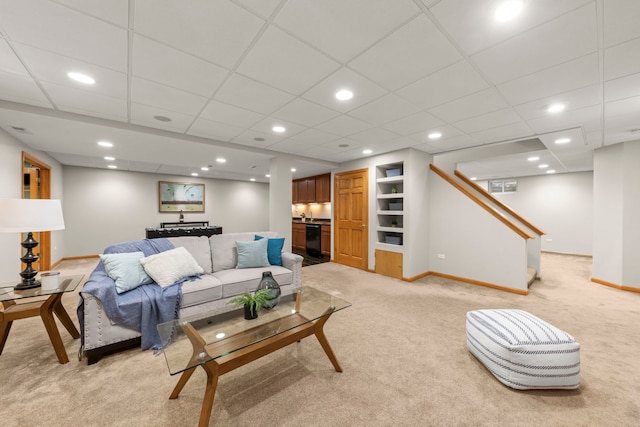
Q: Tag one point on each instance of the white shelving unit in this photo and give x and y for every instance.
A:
(390, 210)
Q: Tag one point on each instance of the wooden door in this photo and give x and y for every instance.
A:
(350, 241)
(36, 185)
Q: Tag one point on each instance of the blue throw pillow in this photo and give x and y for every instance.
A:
(252, 254)
(125, 269)
(274, 249)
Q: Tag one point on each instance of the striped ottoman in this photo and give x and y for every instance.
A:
(523, 351)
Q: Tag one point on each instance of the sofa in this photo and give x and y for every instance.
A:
(215, 269)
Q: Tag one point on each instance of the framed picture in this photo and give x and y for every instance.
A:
(180, 196)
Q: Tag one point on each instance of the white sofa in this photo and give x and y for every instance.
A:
(217, 255)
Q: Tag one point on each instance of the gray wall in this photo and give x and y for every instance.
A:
(11, 179)
(561, 205)
(103, 207)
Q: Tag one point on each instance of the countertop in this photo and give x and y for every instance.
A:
(321, 221)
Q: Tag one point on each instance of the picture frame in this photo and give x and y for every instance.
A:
(180, 196)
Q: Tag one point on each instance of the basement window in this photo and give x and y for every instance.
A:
(503, 186)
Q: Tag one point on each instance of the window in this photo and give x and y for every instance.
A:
(503, 186)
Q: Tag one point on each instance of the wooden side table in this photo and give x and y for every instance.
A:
(43, 308)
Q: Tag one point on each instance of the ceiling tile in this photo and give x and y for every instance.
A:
(624, 107)
(251, 95)
(312, 137)
(214, 130)
(622, 60)
(168, 66)
(53, 68)
(570, 75)
(420, 122)
(344, 28)
(263, 8)
(487, 121)
(22, 89)
(373, 136)
(64, 31)
(573, 100)
(171, 99)
(265, 125)
(512, 131)
(384, 110)
(479, 103)
(472, 25)
(9, 62)
(568, 119)
(445, 85)
(620, 21)
(230, 115)
(218, 31)
(363, 90)
(343, 126)
(87, 103)
(447, 132)
(623, 87)
(143, 115)
(568, 37)
(249, 136)
(454, 143)
(416, 49)
(305, 113)
(285, 63)
(114, 11)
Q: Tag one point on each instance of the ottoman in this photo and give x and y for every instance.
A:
(523, 351)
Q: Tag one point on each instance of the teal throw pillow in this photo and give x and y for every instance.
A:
(274, 249)
(252, 254)
(125, 269)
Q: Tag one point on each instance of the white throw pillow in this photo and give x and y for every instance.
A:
(125, 269)
(166, 268)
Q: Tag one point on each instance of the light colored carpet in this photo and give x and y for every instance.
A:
(401, 345)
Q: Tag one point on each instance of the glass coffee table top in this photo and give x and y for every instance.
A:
(222, 333)
(67, 284)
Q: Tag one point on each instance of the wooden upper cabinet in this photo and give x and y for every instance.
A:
(323, 188)
(311, 190)
(294, 192)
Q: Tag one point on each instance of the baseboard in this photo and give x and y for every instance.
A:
(615, 286)
(479, 283)
(414, 278)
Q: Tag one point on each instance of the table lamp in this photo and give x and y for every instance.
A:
(27, 216)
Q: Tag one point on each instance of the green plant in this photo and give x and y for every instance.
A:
(259, 299)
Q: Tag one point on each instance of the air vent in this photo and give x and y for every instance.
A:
(21, 130)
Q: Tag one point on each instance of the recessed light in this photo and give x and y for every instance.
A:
(555, 108)
(221, 160)
(551, 171)
(367, 151)
(112, 167)
(259, 139)
(508, 10)
(194, 174)
(293, 169)
(473, 178)
(278, 129)
(81, 78)
(434, 135)
(543, 166)
(252, 179)
(204, 168)
(109, 158)
(267, 176)
(105, 144)
(344, 95)
(343, 145)
(562, 140)
(162, 118)
(533, 158)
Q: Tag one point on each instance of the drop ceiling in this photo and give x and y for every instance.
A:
(226, 71)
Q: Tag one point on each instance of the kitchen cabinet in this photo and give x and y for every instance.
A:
(313, 189)
(323, 188)
(294, 192)
(325, 242)
(298, 236)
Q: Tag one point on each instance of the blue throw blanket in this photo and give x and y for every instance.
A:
(142, 308)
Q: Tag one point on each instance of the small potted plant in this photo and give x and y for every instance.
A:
(303, 217)
(394, 223)
(253, 302)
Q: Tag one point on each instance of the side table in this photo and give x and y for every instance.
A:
(43, 308)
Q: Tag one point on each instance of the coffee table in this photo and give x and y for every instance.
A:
(43, 308)
(221, 342)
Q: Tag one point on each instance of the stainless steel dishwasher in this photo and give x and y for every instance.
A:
(314, 235)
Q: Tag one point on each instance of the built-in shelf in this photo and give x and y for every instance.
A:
(391, 196)
(390, 199)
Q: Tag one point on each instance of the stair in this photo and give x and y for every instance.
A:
(531, 276)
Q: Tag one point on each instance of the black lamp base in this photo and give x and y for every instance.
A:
(27, 285)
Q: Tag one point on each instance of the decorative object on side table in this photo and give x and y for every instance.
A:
(253, 302)
(270, 284)
(28, 216)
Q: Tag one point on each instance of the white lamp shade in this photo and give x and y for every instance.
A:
(24, 215)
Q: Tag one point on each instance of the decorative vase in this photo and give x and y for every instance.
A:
(250, 314)
(269, 283)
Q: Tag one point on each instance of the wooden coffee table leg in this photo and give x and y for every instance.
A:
(62, 314)
(46, 313)
(322, 339)
(210, 392)
(5, 327)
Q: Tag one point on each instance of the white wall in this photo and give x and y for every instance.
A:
(11, 178)
(103, 207)
(559, 204)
